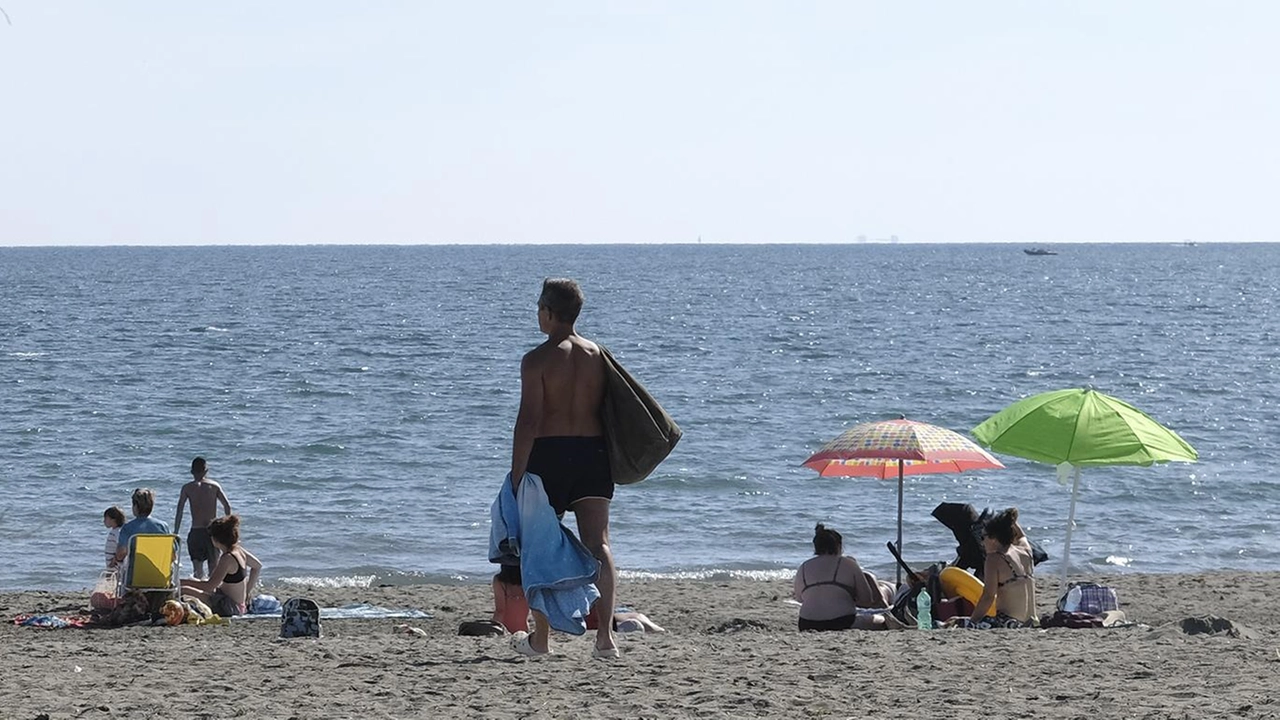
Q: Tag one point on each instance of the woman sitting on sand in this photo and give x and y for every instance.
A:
(1007, 574)
(227, 589)
(831, 588)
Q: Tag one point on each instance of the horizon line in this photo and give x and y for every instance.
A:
(1182, 243)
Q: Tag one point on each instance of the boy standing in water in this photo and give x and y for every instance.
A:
(204, 494)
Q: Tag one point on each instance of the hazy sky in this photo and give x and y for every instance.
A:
(532, 121)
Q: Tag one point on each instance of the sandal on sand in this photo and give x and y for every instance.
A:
(606, 654)
(520, 643)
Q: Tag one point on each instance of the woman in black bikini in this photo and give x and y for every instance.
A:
(227, 589)
(1007, 574)
(831, 588)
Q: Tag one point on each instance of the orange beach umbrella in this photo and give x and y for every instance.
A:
(899, 447)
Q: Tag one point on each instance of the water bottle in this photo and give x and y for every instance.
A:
(924, 610)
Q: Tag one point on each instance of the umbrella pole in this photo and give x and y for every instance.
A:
(899, 521)
(1071, 523)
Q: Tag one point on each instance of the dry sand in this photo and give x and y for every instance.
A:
(731, 651)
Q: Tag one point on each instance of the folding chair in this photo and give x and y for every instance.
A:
(154, 566)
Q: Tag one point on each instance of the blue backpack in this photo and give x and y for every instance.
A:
(300, 617)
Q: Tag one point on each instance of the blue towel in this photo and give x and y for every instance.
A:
(558, 571)
(504, 527)
(265, 605)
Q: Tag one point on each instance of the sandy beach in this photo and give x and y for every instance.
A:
(731, 650)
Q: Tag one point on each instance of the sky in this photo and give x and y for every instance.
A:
(163, 123)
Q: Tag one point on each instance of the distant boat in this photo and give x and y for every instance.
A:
(1039, 251)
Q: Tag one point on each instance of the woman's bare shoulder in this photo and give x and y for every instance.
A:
(851, 561)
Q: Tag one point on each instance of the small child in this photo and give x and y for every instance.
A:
(510, 608)
(112, 519)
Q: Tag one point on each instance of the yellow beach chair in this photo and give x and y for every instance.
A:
(154, 564)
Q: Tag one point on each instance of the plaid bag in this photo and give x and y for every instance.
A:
(1087, 597)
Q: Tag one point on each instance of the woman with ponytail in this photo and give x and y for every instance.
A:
(230, 581)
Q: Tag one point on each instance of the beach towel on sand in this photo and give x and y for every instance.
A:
(557, 570)
(51, 622)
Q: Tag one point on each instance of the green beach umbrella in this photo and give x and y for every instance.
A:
(1082, 428)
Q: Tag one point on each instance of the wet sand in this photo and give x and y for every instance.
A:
(731, 650)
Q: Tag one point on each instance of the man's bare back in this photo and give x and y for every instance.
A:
(572, 375)
(203, 496)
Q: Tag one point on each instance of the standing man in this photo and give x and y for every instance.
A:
(558, 437)
(204, 495)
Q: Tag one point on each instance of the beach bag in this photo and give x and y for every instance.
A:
(638, 433)
(955, 607)
(1087, 597)
(103, 596)
(300, 618)
(132, 607)
(904, 603)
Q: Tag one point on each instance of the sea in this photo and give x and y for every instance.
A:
(357, 402)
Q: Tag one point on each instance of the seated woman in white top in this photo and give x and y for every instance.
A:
(832, 588)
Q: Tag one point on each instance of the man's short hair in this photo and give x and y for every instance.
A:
(562, 298)
(144, 500)
(199, 467)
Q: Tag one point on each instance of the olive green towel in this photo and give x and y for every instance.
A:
(638, 432)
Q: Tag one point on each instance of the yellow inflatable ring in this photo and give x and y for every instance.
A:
(959, 583)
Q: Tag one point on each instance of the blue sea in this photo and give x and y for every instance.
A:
(357, 402)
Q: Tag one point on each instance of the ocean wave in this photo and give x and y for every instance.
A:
(324, 448)
(319, 392)
(709, 574)
(340, 581)
(387, 577)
